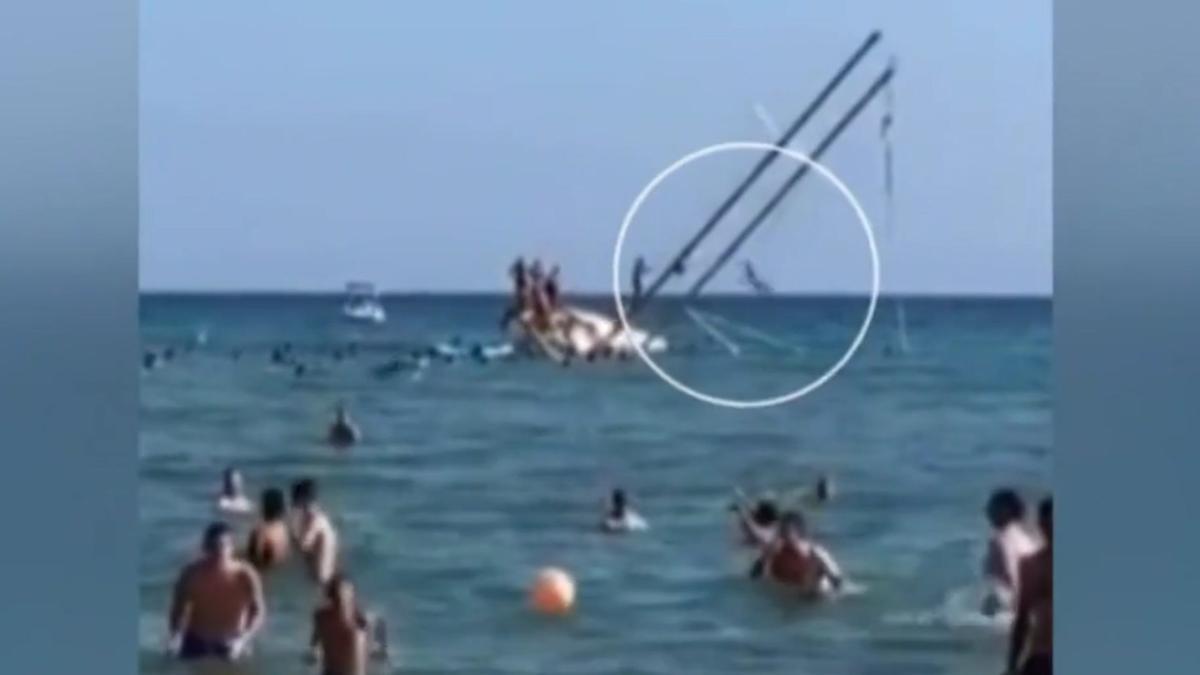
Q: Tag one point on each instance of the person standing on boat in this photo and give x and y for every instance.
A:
(520, 279)
(551, 288)
(640, 269)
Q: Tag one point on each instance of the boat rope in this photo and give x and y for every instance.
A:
(713, 332)
(885, 133)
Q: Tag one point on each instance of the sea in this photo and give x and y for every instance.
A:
(474, 474)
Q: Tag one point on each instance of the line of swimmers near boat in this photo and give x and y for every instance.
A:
(218, 607)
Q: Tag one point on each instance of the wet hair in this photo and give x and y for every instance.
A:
(335, 585)
(1004, 507)
(1046, 516)
(273, 506)
(213, 535)
(765, 512)
(304, 491)
(619, 502)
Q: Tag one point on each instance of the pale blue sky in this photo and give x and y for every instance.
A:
(296, 145)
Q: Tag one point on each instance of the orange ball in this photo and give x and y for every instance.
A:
(553, 592)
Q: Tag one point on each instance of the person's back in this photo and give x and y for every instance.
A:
(794, 559)
(343, 432)
(269, 543)
(341, 631)
(1031, 646)
(1008, 544)
(341, 637)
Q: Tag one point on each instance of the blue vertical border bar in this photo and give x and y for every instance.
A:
(1127, 335)
(68, 335)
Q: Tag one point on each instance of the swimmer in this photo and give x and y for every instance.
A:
(149, 360)
(388, 369)
(299, 370)
(343, 432)
(793, 558)
(269, 543)
(312, 531)
(758, 525)
(1008, 544)
(217, 606)
(823, 493)
(619, 517)
(340, 632)
(233, 499)
(1031, 645)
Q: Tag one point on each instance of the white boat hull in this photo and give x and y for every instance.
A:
(582, 332)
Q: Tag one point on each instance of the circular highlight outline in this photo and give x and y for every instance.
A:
(833, 370)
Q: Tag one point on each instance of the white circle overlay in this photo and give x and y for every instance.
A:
(867, 318)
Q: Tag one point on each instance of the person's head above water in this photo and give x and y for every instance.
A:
(1046, 518)
(218, 541)
(766, 513)
(304, 493)
(231, 483)
(618, 503)
(339, 591)
(1005, 507)
(273, 506)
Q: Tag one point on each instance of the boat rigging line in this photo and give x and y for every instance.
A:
(677, 263)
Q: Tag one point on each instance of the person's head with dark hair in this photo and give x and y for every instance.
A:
(231, 483)
(304, 493)
(766, 513)
(273, 506)
(618, 503)
(339, 591)
(1004, 508)
(1046, 518)
(218, 541)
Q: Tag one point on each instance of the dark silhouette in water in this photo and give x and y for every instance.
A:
(388, 369)
(300, 370)
(343, 433)
(149, 360)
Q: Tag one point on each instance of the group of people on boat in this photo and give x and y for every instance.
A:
(537, 306)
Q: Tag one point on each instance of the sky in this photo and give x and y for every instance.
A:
(422, 146)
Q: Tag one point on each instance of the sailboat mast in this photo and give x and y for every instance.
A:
(730, 250)
(762, 165)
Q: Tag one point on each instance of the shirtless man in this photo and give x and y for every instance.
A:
(269, 543)
(233, 499)
(520, 279)
(1031, 646)
(1009, 543)
(620, 517)
(313, 533)
(217, 606)
(794, 559)
(341, 631)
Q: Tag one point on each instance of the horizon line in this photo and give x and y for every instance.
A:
(324, 292)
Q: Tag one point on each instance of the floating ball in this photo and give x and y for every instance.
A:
(553, 592)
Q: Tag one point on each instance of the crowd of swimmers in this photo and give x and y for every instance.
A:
(1017, 569)
(218, 604)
